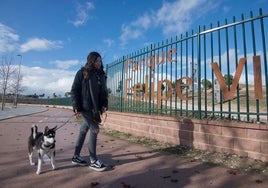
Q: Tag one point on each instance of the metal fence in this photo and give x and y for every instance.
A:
(10, 101)
(215, 72)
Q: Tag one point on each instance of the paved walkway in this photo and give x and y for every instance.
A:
(21, 110)
(130, 165)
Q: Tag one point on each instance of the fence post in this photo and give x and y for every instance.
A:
(150, 80)
(199, 72)
(122, 85)
(265, 58)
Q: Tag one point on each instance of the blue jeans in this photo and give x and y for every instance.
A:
(87, 124)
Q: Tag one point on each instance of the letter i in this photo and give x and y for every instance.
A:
(257, 77)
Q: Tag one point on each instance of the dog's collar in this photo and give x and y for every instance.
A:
(49, 146)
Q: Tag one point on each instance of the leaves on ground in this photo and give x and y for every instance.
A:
(139, 157)
(125, 185)
(233, 171)
(258, 181)
(94, 184)
(229, 160)
(174, 180)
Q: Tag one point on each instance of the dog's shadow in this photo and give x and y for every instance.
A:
(46, 165)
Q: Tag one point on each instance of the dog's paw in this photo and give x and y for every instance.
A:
(32, 164)
(38, 172)
(54, 166)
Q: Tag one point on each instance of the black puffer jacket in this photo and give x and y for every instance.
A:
(80, 92)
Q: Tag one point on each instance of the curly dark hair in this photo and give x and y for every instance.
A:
(89, 66)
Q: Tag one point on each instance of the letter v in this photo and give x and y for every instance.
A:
(229, 94)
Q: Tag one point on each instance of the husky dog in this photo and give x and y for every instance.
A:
(44, 143)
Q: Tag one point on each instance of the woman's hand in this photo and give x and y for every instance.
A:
(104, 109)
(76, 113)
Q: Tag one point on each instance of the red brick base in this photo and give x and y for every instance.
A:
(244, 139)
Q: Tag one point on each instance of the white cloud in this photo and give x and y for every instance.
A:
(108, 42)
(40, 44)
(226, 8)
(173, 18)
(8, 39)
(177, 17)
(65, 64)
(135, 29)
(129, 33)
(39, 80)
(82, 14)
(142, 22)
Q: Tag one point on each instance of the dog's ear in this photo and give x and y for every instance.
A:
(46, 129)
(34, 126)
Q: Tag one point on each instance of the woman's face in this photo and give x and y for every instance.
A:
(97, 63)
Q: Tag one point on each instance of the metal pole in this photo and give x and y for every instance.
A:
(17, 86)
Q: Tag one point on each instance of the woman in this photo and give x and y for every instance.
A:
(91, 74)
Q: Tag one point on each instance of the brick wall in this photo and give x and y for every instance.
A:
(244, 139)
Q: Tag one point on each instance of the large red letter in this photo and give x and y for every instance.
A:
(229, 94)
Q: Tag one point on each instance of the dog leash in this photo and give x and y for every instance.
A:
(103, 120)
(65, 122)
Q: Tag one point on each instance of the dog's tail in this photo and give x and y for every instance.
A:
(34, 131)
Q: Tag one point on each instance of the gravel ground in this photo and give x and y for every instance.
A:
(235, 163)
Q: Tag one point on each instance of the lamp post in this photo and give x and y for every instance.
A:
(18, 81)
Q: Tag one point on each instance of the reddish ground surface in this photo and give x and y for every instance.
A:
(130, 165)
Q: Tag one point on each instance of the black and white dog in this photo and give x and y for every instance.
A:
(44, 143)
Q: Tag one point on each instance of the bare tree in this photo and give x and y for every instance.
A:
(17, 88)
(7, 73)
